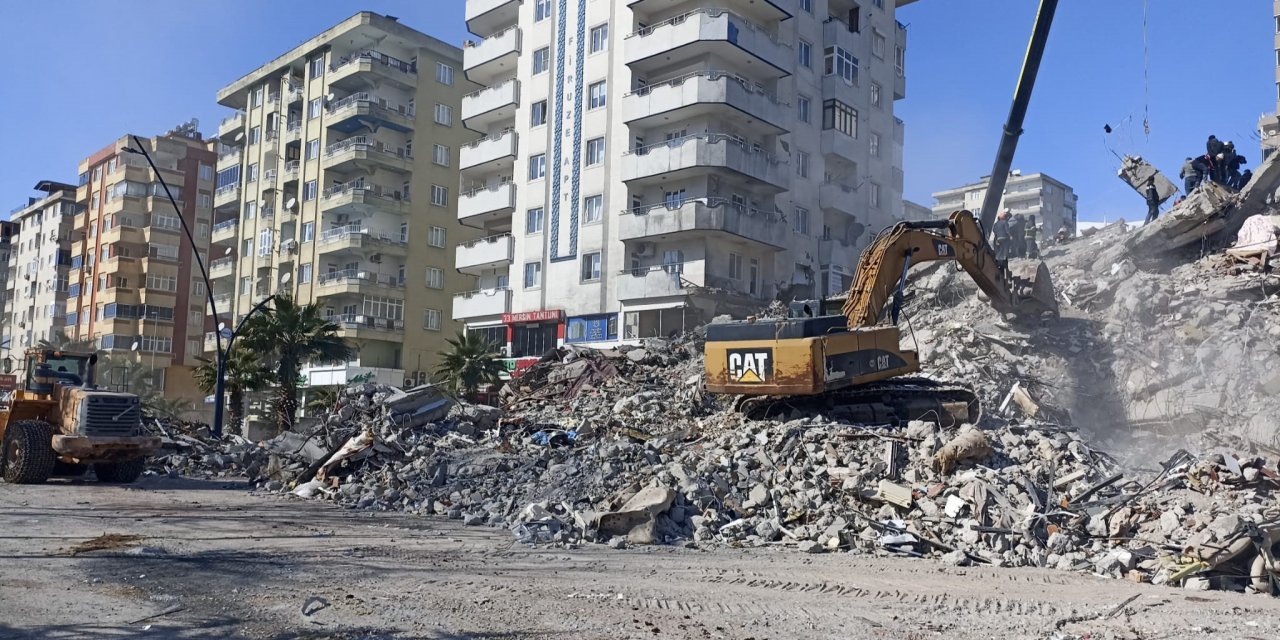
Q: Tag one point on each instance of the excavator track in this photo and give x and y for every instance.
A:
(893, 402)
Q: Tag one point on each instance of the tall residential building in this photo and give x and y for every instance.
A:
(649, 164)
(8, 237)
(338, 168)
(39, 250)
(134, 287)
(1269, 123)
(1051, 201)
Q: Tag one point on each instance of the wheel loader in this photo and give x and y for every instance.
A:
(59, 423)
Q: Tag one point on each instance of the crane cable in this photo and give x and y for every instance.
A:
(1146, 75)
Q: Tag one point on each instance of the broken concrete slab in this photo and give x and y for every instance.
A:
(1136, 171)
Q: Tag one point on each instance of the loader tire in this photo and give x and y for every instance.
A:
(120, 472)
(28, 452)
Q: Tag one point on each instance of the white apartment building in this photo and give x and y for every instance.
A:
(1052, 202)
(39, 250)
(646, 165)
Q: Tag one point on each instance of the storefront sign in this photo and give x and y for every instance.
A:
(599, 328)
(8, 382)
(532, 316)
(517, 366)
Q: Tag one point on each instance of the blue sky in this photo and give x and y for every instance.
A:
(81, 73)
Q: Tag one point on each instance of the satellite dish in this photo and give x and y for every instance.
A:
(135, 346)
(238, 137)
(290, 203)
(222, 326)
(227, 252)
(329, 96)
(285, 278)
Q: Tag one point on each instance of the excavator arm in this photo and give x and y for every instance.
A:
(882, 270)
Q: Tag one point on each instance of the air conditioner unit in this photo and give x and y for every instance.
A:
(375, 258)
(409, 383)
(422, 377)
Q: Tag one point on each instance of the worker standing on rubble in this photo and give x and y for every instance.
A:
(1233, 172)
(1202, 166)
(1153, 202)
(1227, 159)
(1190, 176)
(1017, 230)
(1032, 249)
(1213, 151)
(1002, 240)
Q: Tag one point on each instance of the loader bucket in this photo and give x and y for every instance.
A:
(1032, 288)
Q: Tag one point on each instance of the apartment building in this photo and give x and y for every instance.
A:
(1269, 123)
(8, 231)
(39, 256)
(1051, 201)
(339, 169)
(646, 165)
(134, 286)
(915, 211)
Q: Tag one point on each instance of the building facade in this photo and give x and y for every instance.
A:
(339, 169)
(134, 288)
(1269, 123)
(646, 165)
(39, 257)
(1051, 201)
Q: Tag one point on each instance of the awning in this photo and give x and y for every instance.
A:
(655, 306)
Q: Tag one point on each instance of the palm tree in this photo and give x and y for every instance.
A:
(470, 362)
(171, 408)
(290, 335)
(245, 373)
(320, 400)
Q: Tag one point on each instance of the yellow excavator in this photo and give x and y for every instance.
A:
(848, 364)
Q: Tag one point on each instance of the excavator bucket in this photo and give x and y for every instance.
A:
(1032, 288)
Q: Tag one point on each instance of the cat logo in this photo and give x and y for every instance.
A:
(752, 366)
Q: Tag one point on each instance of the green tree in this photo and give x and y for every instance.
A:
(245, 373)
(470, 362)
(288, 336)
(321, 399)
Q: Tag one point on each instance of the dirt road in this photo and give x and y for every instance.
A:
(213, 561)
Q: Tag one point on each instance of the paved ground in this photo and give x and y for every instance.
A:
(217, 562)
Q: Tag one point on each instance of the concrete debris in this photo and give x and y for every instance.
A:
(1135, 172)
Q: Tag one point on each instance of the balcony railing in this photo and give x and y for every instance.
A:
(375, 57)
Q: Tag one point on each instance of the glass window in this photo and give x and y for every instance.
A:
(735, 266)
(805, 51)
(841, 63)
(435, 278)
(875, 195)
(314, 107)
(440, 155)
(591, 266)
(252, 174)
(840, 117)
(431, 320)
(802, 108)
(599, 38)
(541, 10)
(317, 66)
(595, 151)
(538, 113)
(532, 274)
(541, 60)
(313, 149)
(439, 195)
(533, 220)
(877, 44)
(255, 134)
(309, 190)
(874, 142)
(308, 231)
(807, 5)
(206, 171)
(537, 166)
(802, 221)
(304, 273)
(444, 73)
(444, 115)
(436, 236)
(592, 209)
(875, 94)
(597, 94)
(802, 164)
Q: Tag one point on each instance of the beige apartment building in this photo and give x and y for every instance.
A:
(646, 165)
(338, 168)
(134, 288)
(1269, 123)
(1051, 201)
(38, 248)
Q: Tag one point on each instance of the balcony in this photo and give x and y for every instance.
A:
(701, 154)
(224, 302)
(663, 281)
(835, 252)
(210, 342)
(229, 157)
(226, 196)
(361, 327)
(231, 126)
(479, 304)
(494, 57)
(226, 232)
(222, 267)
(839, 198)
(293, 132)
(361, 196)
(490, 154)
(475, 208)
(355, 239)
(708, 34)
(487, 17)
(762, 11)
(491, 106)
(716, 95)
(363, 110)
(705, 217)
(357, 282)
(364, 68)
(835, 143)
(291, 170)
(342, 374)
(364, 153)
(474, 257)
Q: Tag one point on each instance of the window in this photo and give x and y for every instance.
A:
(255, 134)
(802, 164)
(314, 107)
(317, 67)
(875, 95)
(878, 3)
(206, 171)
(431, 320)
(532, 275)
(595, 151)
(435, 278)
(541, 10)
(875, 144)
(900, 60)
(735, 266)
(805, 51)
(541, 60)
(444, 73)
(246, 285)
(877, 44)
(435, 236)
(538, 113)
(840, 117)
(313, 149)
(204, 200)
(256, 97)
(440, 155)
(304, 273)
(807, 5)
(202, 230)
(596, 94)
(802, 221)
(592, 209)
(537, 166)
(842, 64)
(439, 195)
(252, 174)
(444, 115)
(802, 108)
(599, 38)
(875, 195)
(591, 266)
(533, 220)
(309, 190)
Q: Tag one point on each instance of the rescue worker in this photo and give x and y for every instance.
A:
(1189, 176)
(1001, 241)
(1226, 159)
(1203, 166)
(1032, 249)
(1233, 172)
(1153, 202)
(1213, 151)
(1017, 230)
(1245, 178)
